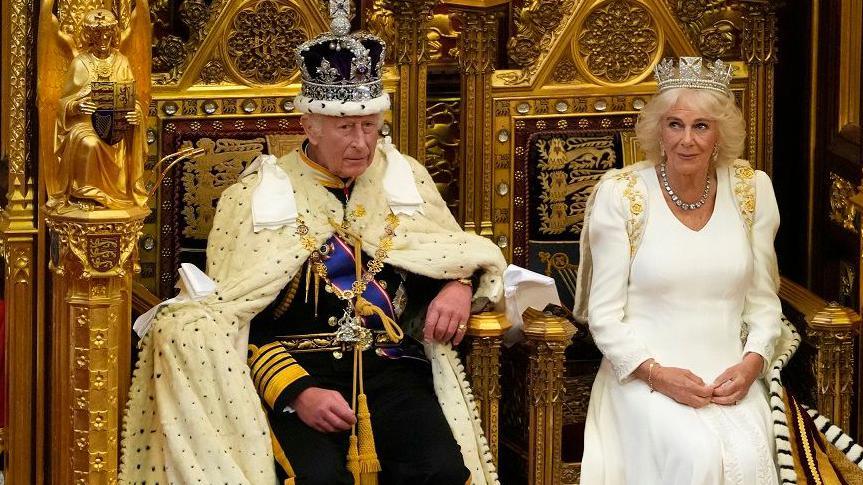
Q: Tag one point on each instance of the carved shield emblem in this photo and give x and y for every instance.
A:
(103, 252)
(113, 100)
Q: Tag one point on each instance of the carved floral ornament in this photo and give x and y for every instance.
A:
(213, 72)
(534, 22)
(718, 39)
(714, 26)
(691, 10)
(260, 44)
(619, 42)
(537, 24)
(195, 14)
(173, 51)
(842, 211)
(168, 53)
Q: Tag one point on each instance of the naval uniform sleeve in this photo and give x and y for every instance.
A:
(278, 377)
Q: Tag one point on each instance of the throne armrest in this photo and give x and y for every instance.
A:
(486, 331)
(829, 331)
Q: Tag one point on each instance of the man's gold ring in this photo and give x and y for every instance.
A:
(462, 327)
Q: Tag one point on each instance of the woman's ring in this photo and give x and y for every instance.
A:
(462, 327)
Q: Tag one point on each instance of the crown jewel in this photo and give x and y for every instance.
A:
(342, 72)
(691, 73)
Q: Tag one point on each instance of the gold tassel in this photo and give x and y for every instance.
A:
(353, 464)
(369, 465)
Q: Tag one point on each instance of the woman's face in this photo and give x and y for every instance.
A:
(688, 137)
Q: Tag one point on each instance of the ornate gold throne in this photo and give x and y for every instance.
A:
(551, 128)
(516, 106)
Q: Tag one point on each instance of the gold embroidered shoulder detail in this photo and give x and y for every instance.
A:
(744, 190)
(635, 199)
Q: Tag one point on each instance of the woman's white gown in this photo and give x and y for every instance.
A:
(683, 304)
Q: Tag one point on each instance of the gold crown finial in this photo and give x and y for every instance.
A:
(691, 73)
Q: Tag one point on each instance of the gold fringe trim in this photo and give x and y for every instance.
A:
(368, 457)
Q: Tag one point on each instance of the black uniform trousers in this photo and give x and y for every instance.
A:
(413, 439)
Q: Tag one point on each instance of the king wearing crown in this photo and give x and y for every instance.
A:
(324, 354)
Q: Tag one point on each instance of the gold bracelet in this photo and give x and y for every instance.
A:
(466, 281)
(650, 375)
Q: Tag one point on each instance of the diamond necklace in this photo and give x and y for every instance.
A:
(676, 199)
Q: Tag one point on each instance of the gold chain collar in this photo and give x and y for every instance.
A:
(373, 267)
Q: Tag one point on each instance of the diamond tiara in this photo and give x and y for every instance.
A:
(690, 73)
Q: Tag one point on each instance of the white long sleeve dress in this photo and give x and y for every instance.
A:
(681, 299)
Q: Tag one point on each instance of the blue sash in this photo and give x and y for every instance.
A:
(341, 268)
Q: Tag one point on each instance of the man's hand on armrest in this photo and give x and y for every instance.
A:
(324, 410)
(447, 315)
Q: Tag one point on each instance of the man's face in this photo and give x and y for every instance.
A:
(344, 145)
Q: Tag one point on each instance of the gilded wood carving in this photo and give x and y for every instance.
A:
(842, 211)
(619, 42)
(442, 149)
(259, 46)
(537, 23)
(18, 222)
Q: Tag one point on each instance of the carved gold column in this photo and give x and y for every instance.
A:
(758, 48)
(19, 235)
(22, 349)
(93, 257)
(412, 24)
(487, 330)
(547, 338)
(477, 49)
(832, 331)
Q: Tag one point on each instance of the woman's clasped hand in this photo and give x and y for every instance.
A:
(683, 386)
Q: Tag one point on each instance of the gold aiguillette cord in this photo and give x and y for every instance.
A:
(362, 458)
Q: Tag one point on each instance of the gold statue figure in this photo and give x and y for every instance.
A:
(94, 110)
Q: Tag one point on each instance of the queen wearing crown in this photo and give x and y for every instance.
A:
(679, 288)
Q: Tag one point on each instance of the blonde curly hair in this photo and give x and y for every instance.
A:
(730, 127)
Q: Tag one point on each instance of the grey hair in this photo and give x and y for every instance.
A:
(730, 127)
(312, 121)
